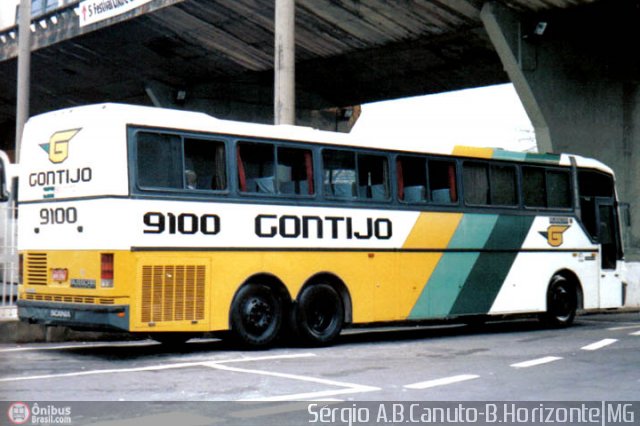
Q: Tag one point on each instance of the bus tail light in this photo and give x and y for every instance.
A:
(59, 274)
(106, 270)
(21, 269)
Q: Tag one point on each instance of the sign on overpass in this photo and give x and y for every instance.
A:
(92, 11)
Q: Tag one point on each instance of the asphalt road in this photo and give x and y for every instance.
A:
(596, 359)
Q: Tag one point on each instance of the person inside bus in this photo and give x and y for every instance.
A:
(191, 178)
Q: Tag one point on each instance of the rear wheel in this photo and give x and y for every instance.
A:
(562, 302)
(318, 315)
(256, 315)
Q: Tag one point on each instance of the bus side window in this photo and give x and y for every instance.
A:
(204, 164)
(294, 171)
(256, 167)
(504, 185)
(159, 160)
(533, 187)
(546, 187)
(442, 181)
(373, 177)
(558, 189)
(476, 183)
(339, 173)
(412, 179)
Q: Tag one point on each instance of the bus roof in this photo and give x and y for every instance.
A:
(174, 119)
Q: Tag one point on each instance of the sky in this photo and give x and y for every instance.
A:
(489, 117)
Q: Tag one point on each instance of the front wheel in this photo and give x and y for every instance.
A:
(562, 302)
(256, 315)
(318, 315)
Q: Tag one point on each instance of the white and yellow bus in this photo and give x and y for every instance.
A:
(175, 223)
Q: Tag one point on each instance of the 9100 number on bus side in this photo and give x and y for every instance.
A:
(183, 223)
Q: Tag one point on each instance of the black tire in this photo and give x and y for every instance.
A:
(318, 315)
(562, 302)
(256, 315)
(171, 338)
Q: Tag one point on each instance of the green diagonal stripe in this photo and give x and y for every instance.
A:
(450, 275)
(492, 265)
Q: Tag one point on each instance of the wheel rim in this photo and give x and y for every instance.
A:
(257, 315)
(321, 315)
(562, 302)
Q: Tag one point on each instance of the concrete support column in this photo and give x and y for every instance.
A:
(24, 71)
(578, 85)
(284, 66)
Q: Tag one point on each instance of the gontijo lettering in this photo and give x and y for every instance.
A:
(290, 226)
(60, 177)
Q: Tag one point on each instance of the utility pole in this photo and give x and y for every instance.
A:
(24, 71)
(284, 63)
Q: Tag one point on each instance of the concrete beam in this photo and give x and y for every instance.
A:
(579, 87)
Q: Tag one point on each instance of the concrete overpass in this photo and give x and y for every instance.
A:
(571, 62)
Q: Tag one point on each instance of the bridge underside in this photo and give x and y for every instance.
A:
(219, 56)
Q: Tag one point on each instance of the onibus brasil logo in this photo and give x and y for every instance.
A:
(19, 413)
(58, 145)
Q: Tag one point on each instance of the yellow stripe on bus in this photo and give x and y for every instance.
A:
(432, 230)
(472, 151)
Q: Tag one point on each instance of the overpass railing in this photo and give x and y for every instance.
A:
(9, 263)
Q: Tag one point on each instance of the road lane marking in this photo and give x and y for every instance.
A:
(535, 362)
(599, 344)
(625, 327)
(263, 358)
(635, 333)
(151, 367)
(347, 387)
(79, 346)
(442, 382)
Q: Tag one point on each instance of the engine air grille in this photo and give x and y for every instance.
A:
(173, 293)
(36, 269)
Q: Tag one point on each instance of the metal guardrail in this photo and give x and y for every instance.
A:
(9, 263)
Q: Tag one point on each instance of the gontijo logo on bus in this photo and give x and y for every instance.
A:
(554, 234)
(58, 145)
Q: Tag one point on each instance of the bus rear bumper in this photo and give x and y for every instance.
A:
(88, 317)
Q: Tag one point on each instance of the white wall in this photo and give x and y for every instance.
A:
(8, 13)
(633, 281)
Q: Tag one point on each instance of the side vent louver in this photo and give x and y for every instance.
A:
(36, 269)
(173, 293)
